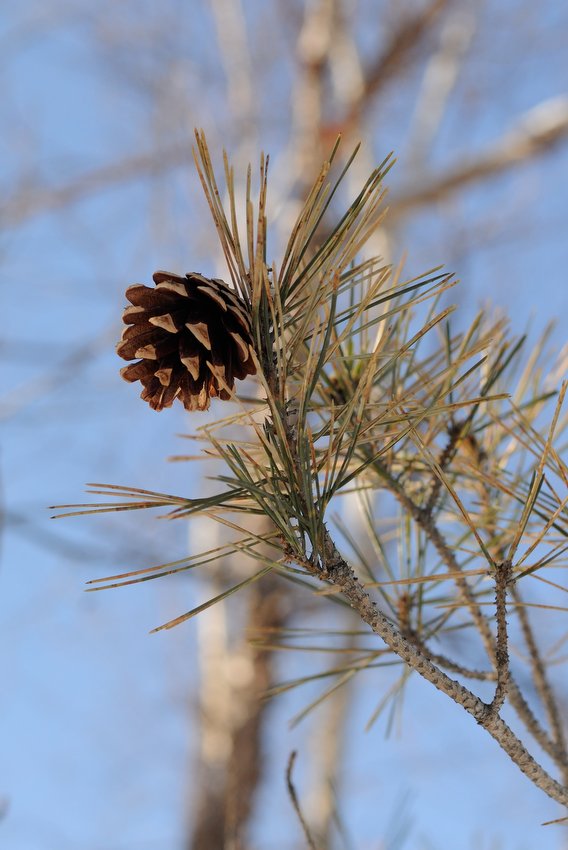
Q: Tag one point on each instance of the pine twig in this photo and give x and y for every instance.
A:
(502, 578)
(454, 435)
(540, 678)
(296, 802)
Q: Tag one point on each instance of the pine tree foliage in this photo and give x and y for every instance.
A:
(450, 442)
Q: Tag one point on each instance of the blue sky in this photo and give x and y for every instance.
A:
(95, 722)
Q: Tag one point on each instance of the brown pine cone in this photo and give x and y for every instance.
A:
(188, 332)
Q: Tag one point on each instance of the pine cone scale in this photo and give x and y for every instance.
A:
(172, 286)
(210, 293)
(134, 338)
(201, 333)
(156, 350)
(241, 318)
(147, 298)
(136, 371)
(241, 345)
(164, 376)
(192, 366)
(135, 315)
(167, 322)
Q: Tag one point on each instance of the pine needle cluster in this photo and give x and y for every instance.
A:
(365, 390)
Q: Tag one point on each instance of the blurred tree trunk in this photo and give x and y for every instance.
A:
(235, 675)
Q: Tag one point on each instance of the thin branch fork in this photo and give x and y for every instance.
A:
(426, 522)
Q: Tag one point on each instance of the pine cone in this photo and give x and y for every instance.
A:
(193, 336)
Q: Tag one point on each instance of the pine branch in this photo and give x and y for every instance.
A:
(336, 571)
(351, 403)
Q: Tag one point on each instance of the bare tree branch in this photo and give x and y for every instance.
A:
(37, 200)
(538, 132)
(404, 41)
